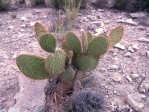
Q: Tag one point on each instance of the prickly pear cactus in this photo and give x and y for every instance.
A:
(116, 35)
(71, 42)
(40, 30)
(32, 66)
(74, 55)
(55, 63)
(68, 75)
(47, 42)
(98, 46)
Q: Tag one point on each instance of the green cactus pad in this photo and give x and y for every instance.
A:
(86, 63)
(71, 42)
(83, 63)
(47, 42)
(84, 42)
(94, 64)
(98, 46)
(40, 30)
(32, 67)
(116, 35)
(68, 75)
(55, 63)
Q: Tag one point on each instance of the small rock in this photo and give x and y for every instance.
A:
(143, 40)
(117, 78)
(147, 54)
(135, 47)
(142, 28)
(11, 27)
(137, 15)
(130, 49)
(23, 25)
(32, 24)
(99, 31)
(127, 21)
(134, 76)
(113, 67)
(128, 55)
(129, 78)
(120, 46)
(23, 18)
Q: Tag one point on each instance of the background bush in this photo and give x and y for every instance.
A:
(132, 5)
(4, 4)
(64, 4)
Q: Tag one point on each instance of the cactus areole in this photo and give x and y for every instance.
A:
(69, 62)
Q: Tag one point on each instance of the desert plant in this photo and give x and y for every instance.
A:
(69, 62)
(87, 100)
(4, 4)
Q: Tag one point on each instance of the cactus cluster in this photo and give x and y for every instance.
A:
(73, 55)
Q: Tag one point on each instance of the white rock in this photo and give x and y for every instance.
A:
(129, 78)
(134, 76)
(32, 24)
(23, 25)
(23, 18)
(99, 31)
(11, 27)
(135, 47)
(120, 46)
(113, 67)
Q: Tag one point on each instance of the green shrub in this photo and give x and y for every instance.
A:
(38, 2)
(67, 4)
(4, 4)
(121, 4)
(132, 5)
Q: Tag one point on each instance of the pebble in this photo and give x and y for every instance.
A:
(127, 21)
(11, 27)
(120, 46)
(128, 55)
(99, 31)
(32, 24)
(138, 15)
(117, 78)
(113, 67)
(130, 49)
(134, 76)
(23, 25)
(23, 18)
(129, 78)
(135, 47)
